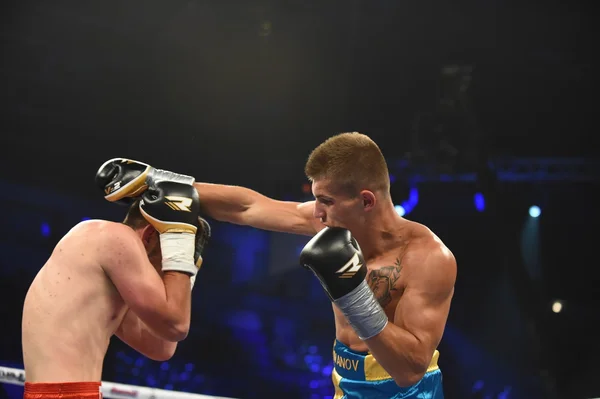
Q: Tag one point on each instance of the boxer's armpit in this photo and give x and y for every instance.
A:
(383, 282)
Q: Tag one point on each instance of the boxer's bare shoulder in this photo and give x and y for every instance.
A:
(417, 256)
(419, 237)
(98, 240)
(101, 230)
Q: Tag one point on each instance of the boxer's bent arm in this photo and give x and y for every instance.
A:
(163, 304)
(405, 348)
(244, 206)
(137, 335)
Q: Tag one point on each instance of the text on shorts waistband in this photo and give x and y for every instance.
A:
(359, 366)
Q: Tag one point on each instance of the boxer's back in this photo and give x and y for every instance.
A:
(71, 310)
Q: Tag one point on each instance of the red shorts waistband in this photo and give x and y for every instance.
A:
(62, 387)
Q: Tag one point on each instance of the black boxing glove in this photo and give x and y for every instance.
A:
(173, 208)
(202, 237)
(123, 179)
(335, 257)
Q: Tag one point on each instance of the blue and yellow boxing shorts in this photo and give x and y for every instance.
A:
(357, 375)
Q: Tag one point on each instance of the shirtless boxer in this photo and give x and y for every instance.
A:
(131, 279)
(391, 280)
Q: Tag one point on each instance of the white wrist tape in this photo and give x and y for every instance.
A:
(178, 252)
(363, 312)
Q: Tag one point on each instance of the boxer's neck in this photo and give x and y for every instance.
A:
(380, 232)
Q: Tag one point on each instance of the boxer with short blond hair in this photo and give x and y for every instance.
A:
(391, 280)
(129, 279)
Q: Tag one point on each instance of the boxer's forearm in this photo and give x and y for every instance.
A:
(226, 203)
(179, 304)
(243, 206)
(401, 354)
(167, 313)
(135, 333)
(155, 347)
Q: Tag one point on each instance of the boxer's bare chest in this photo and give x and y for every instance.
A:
(385, 276)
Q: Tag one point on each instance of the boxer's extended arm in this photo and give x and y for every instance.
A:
(122, 179)
(244, 206)
(136, 334)
(163, 304)
(404, 348)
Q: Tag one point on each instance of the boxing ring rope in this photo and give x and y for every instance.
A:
(115, 390)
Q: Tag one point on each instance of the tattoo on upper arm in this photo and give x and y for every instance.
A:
(383, 282)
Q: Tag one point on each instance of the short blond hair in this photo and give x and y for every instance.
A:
(352, 160)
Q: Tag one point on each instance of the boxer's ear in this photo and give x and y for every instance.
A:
(368, 200)
(149, 236)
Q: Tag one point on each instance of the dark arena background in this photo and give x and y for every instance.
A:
(485, 110)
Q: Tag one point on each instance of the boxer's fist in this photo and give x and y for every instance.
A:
(122, 179)
(171, 207)
(335, 258)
